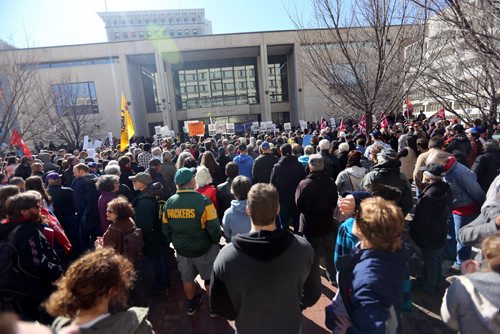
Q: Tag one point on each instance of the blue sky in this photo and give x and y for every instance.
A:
(37, 23)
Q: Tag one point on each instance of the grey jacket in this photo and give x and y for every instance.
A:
(472, 302)
(484, 225)
(132, 321)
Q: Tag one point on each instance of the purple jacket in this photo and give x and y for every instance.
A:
(102, 204)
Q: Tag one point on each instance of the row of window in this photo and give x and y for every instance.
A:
(71, 63)
(146, 22)
(75, 98)
(142, 34)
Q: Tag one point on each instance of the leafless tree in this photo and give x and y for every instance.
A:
(464, 43)
(24, 98)
(357, 60)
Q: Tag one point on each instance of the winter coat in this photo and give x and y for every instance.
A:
(85, 199)
(430, 222)
(349, 179)
(132, 321)
(147, 213)
(168, 172)
(224, 197)
(464, 186)
(487, 167)
(471, 303)
(371, 285)
(103, 201)
(388, 174)
(262, 168)
(236, 220)
(332, 165)
(245, 163)
(286, 176)
(211, 192)
(316, 198)
(23, 170)
(460, 147)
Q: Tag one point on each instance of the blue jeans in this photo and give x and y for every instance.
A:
(463, 252)
(156, 275)
(431, 271)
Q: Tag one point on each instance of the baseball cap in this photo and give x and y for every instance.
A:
(376, 134)
(53, 176)
(144, 178)
(434, 169)
(92, 164)
(265, 145)
(184, 175)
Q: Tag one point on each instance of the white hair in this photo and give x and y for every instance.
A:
(324, 144)
(112, 170)
(344, 147)
(202, 177)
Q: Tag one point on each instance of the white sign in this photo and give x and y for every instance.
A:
(157, 129)
(110, 137)
(270, 125)
(255, 124)
(164, 131)
(332, 122)
(86, 143)
(97, 144)
(92, 154)
(303, 124)
(230, 128)
(220, 127)
(287, 126)
(211, 129)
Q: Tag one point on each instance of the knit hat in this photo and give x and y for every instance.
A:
(386, 155)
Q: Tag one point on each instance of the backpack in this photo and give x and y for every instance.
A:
(14, 280)
(133, 243)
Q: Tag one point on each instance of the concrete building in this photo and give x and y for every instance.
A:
(134, 25)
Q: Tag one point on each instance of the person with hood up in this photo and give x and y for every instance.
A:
(236, 219)
(265, 278)
(386, 172)
(459, 144)
(349, 179)
(147, 213)
(487, 165)
(471, 303)
(244, 161)
(430, 224)
(286, 176)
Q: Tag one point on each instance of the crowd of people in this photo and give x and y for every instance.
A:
(258, 217)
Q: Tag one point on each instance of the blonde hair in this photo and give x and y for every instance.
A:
(381, 222)
(491, 252)
(202, 177)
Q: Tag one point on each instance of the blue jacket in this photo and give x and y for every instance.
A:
(371, 285)
(235, 220)
(464, 186)
(346, 241)
(245, 163)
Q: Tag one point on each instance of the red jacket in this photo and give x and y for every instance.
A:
(211, 192)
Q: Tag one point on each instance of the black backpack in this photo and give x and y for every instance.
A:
(14, 280)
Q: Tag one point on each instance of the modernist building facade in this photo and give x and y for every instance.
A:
(133, 25)
(237, 78)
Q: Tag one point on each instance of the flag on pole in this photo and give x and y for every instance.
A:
(362, 124)
(17, 140)
(342, 125)
(323, 123)
(127, 127)
(409, 107)
(383, 121)
(439, 115)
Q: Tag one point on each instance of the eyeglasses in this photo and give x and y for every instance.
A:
(109, 211)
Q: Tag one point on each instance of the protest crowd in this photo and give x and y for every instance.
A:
(259, 217)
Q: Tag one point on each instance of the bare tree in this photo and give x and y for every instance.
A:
(464, 43)
(24, 98)
(358, 59)
(75, 113)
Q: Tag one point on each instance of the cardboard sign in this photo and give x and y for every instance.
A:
(164, 131)
(110, 137)
(230, 128)
(287, 126)
(196, 129)
(157, 129)
(333, 124)
(220, 127)
(86, 143)
(211, 130)
(303, 124)
(97, 144)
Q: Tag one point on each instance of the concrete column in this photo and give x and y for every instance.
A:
(265, 101)
(171, 106)
(162, 88)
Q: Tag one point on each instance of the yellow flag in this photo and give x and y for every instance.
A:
(127, 128)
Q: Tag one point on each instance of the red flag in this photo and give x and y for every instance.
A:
(440, 114)
(409, 106)
(323, 123)
(362, 124)
(342, 125)
(17, 140)
(383, 121)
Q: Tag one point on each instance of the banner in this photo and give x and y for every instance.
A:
(17, 140)
(127, 128)
(303, 124)
(287, 126)
(196, 129)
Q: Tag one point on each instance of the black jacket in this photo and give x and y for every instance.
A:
(22, 170)
(460, 147)
(487, 167)
(224, 197)
(262, 168)
(62, 200)
(85, 198)
(332, 165)
(286, 176)
(292, 281)
(430, 222)
(223, 160)
(316, 198)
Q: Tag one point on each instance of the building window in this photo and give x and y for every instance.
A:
(141, 34)
(178, 20)
(179, 32)
(117, 35)
(195, 32)
(139, 22)
(148, 33)
(133, 34)
(186, 32)
(125, 35)
(75, 98)
(277, 76)
(172, 33)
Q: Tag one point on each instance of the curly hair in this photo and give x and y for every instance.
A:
(105, 266)
(381, 222)
(122, 208)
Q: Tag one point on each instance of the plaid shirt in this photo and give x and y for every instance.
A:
(143, 159)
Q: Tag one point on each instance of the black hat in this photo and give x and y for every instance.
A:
(434, 169)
